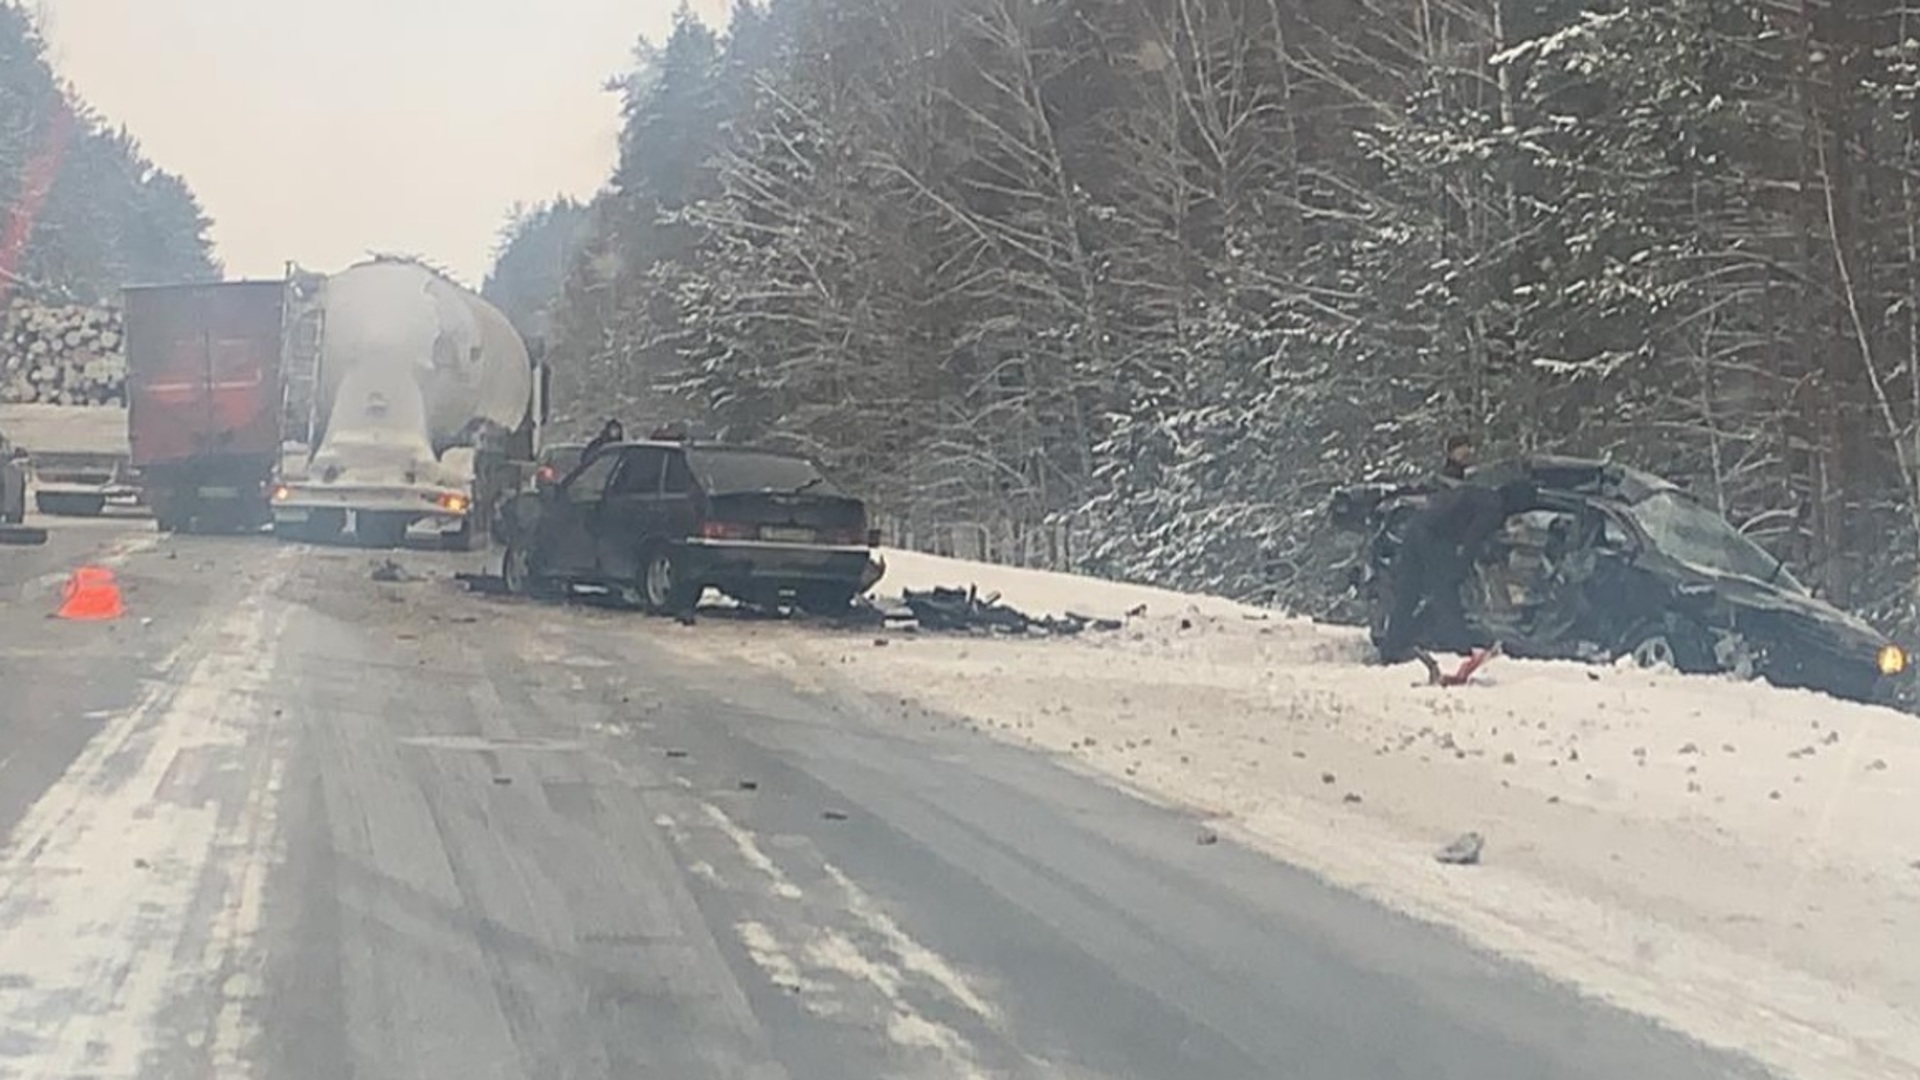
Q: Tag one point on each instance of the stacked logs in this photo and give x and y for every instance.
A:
(62, 355)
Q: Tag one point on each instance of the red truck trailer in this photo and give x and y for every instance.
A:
(203, 400)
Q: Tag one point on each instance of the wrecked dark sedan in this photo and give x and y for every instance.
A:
(661, 521)
(1614, 562)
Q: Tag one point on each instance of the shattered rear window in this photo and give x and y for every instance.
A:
(730, 472)
(563, 458)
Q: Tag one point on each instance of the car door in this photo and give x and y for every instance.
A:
(567, 523)
(630, 513)
(679, 498)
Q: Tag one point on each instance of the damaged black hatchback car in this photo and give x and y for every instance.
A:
(1614, 562)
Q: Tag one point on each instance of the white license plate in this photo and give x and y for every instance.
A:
(786, 536)
(219, 493)
(290, 515)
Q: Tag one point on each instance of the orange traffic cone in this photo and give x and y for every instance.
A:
(91, 596)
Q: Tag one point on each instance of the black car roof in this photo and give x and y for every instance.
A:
(1593, 477)
(688, 444)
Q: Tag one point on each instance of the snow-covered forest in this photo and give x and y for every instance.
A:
(1130, 286)
(82, 210)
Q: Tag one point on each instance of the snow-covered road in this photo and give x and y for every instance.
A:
(284, 820)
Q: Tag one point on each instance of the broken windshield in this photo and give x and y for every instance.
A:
(1685, 530)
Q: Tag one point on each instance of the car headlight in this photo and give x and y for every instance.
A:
(1892, 660)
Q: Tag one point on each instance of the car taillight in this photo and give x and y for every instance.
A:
(727, 530)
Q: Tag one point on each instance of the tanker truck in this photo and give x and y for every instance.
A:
(417, 402)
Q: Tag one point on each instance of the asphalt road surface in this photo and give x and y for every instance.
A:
(283, 820)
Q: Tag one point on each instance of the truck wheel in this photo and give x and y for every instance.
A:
(168, 518)
(382, 530)
(69, 504)
(665, 587)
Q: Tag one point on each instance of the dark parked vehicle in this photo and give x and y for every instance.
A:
(664, 521)
(1615, 562)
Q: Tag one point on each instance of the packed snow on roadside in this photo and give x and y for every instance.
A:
(1736, 860)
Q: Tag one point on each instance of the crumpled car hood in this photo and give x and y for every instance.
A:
(1746, 593)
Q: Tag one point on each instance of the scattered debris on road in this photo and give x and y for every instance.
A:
(956, 610)
(1462, 852)
(1207, 838)
(388, 570)
(485, 584)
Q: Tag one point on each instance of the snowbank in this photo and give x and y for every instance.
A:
(1736, 860)
(1038, 592)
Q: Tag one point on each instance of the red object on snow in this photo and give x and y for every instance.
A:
(1470, 665)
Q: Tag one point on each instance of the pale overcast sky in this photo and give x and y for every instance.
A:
(315, 130)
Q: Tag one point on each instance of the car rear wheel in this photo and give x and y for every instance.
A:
(665, 588)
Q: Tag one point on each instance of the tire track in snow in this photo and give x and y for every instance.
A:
(819, 963)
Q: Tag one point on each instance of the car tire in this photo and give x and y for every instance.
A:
(665, 588)
(1674, 643)
(516, 571)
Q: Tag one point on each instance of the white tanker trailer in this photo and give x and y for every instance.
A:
(421, 404)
